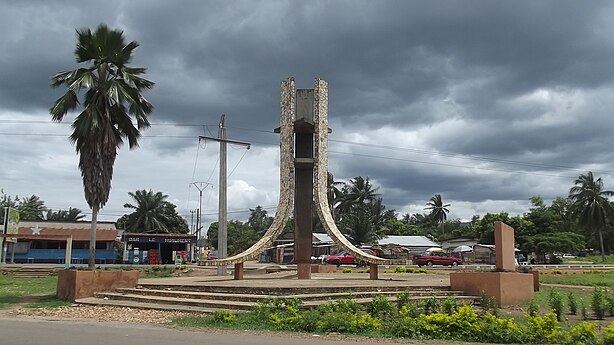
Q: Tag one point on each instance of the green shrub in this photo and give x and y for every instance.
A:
(223, 316)
(344, 305)
(497, 330)
(406, 326)
(489, 304)
(402, 299)
(155, 268)
(584, 333)
(608, 335)
(543, 328)
(431, 305)
(533, 308)
(609, 301)
(411, 310)
(449, 305)
(598, 303)
(555, 300)
(381, 307)
(573, 304)
(347, 270)
(399, 269)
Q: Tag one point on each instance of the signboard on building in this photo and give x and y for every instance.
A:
(12, 224)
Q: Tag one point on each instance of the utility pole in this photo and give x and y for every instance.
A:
(200, 186)
(222, 232)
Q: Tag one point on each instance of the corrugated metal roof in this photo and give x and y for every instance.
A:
(408, 241)
(59, 234)
(322, 238)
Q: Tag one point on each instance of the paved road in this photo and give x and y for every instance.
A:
(19, 331)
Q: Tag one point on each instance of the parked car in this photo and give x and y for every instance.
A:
(212, 255)
(430, 259)
(343, 258)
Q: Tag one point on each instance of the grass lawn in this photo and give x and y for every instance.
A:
(587, 278)
(596, 259)
(29, 292)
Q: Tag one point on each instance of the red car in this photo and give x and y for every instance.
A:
(343, 258)
(430, 259)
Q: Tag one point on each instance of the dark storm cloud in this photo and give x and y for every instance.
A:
(456, 76)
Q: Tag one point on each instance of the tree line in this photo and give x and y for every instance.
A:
(584, 219)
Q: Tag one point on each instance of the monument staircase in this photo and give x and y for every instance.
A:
(206, 298)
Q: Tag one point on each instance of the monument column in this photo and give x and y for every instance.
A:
(303, 197)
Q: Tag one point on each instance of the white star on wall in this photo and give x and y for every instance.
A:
(36, 230)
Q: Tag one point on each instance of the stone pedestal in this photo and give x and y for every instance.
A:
(73, 284)
(508, 288)
(303, 270)
(373, 271)
(238, 271)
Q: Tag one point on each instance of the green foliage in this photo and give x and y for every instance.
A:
(588, 278)
(431, 305)
(556, 303)
(609, 302)
(449, 305)
(223, 316)
(152, 213)
(584, 333)
(543, 328)
(533, 308)
(240, 236)
(572, 302)
(489, 304)
(598, 303)
(608, 335)
(381, 307)
(36, 291)
(70, 215)
(346, 270)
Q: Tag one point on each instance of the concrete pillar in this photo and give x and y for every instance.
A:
(504, 247)
(238, 271)
(373, 271)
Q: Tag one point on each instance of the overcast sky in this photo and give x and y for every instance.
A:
(484, 102)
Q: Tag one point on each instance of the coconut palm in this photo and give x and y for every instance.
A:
(357, 192)
(112, 101)
(333, 193)
(70, 215)
(439, 211)
(150, 212)
(590, 205)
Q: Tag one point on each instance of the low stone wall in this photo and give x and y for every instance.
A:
(323, 268)
(74, 284)
(508, 288)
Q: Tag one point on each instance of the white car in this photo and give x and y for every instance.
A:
(568, 256)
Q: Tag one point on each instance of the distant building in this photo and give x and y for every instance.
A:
(45, 242)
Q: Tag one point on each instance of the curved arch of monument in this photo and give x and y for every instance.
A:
(286, 180)
(320, 176)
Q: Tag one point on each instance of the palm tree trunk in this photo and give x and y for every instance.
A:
(601, 242)
(91, 262)
(442, 225)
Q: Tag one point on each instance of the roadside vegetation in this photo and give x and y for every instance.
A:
(427, 319)
(603, 278)
(29, 292)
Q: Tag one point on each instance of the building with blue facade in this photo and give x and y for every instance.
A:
(45, 242)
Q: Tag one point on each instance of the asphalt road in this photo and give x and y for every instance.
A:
(18, 331)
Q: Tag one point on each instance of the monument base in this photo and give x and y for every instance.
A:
(323, 268)
(508, 288)
(303, 270)
(73, 284)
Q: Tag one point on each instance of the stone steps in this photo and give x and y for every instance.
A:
(33, 272)
(206, 302)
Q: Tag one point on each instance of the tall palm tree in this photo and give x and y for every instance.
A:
(333, 193)
(150, 212)
(112, 101)
(357, 192)
(590, 205)
(439, 211)
(70, 215)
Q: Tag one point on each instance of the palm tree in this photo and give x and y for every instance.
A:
(590, 205)
(438, 210)
(150, 212)
(333, 193)
(70, 215)
(357, 192)
(112, 99)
